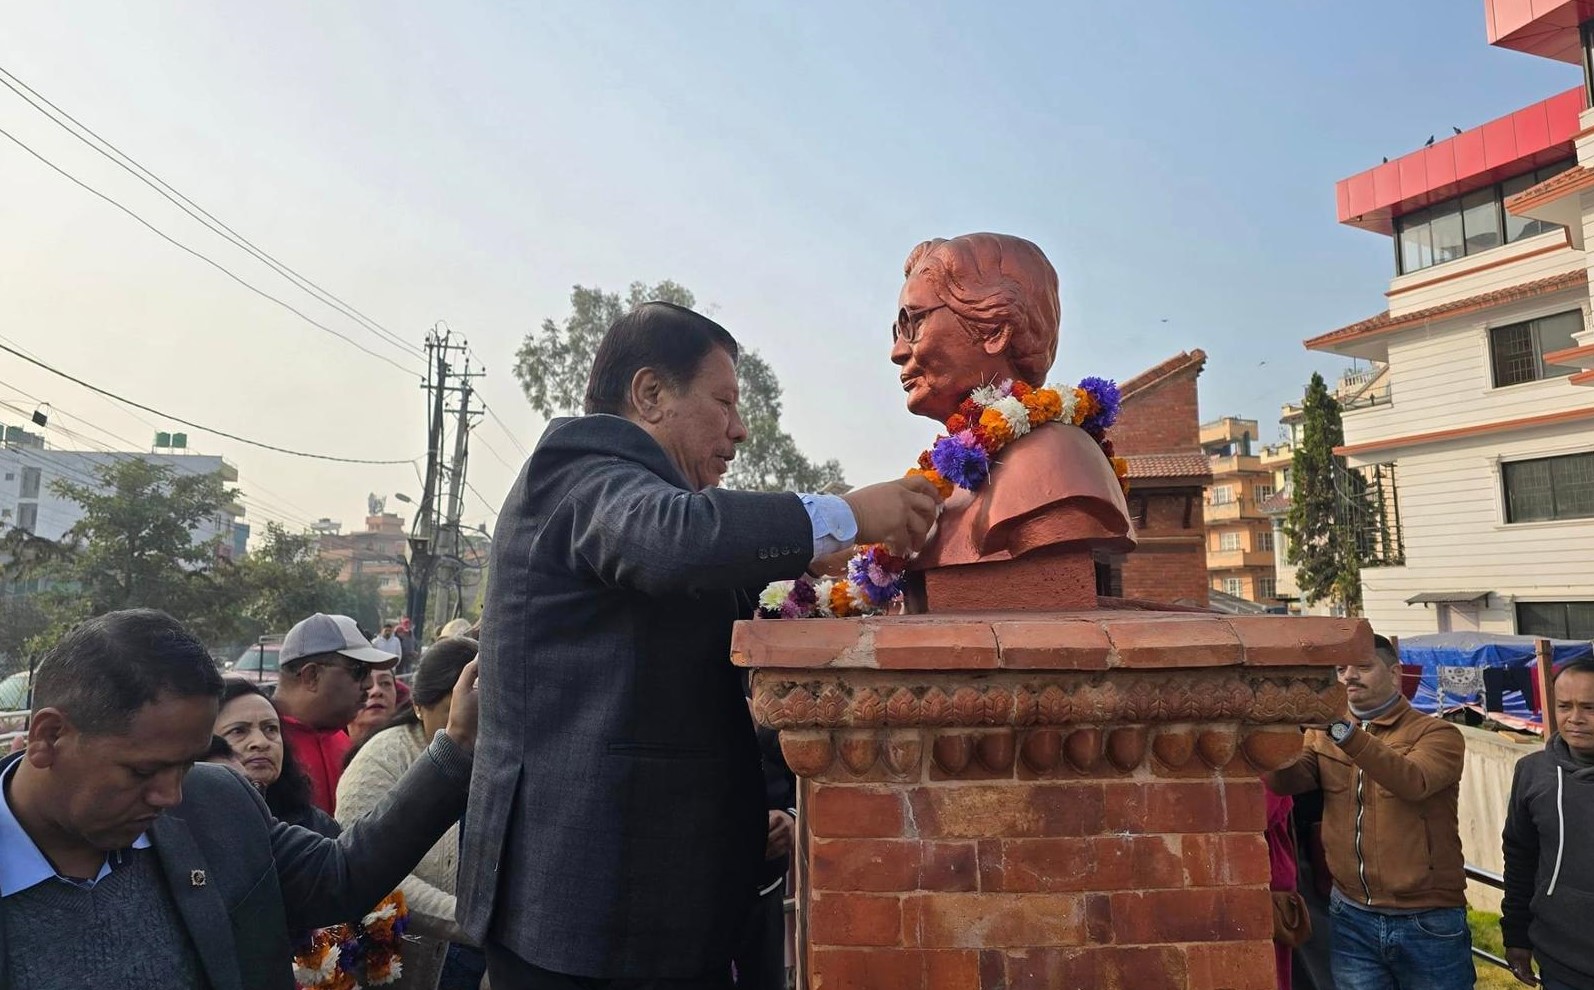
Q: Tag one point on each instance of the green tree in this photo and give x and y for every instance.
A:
(1322, 534)
(285, 579)
(134, 545)
(552, 366)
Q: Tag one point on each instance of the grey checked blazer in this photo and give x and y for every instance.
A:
(616, 822)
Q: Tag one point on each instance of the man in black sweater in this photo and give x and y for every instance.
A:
(1549, 882)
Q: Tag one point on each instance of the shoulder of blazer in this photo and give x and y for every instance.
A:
(225, 812)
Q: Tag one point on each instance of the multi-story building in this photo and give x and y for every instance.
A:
(1239, 534)
(1485, 442)
(28, 500)
(380, 551)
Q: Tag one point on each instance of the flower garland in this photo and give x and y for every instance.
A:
(338, 958)
(992, 417)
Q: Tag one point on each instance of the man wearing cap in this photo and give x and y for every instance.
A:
(326, 666)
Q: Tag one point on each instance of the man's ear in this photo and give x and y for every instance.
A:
(46, 730)
(997, 342)
(647, 394)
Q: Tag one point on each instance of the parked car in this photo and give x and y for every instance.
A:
(258, 663)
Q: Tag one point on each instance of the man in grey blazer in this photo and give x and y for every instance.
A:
(124, 863)
(617, 824)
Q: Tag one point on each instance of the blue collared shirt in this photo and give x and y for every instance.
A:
(22, 865)
(835, 528)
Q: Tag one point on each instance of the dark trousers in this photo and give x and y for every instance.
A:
(761, 953)
(507, 971)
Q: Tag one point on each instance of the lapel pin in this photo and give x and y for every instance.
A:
(196, 878)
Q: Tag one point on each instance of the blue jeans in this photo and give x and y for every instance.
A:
(1427, 951)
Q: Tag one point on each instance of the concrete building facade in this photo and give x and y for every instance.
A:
(1239, 534)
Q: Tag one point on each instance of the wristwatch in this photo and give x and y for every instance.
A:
(1340, 731)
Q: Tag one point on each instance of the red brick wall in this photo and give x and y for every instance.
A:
(1154, 884)
(1164, 418)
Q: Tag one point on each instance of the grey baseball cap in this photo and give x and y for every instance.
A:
(322, 633)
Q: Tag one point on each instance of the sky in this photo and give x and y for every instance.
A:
(466, 164)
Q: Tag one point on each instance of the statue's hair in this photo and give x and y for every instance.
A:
(991, 281)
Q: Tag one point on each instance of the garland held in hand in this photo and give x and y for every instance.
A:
(992, 417)
(340, 957)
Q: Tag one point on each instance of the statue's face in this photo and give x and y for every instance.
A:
(942, 362)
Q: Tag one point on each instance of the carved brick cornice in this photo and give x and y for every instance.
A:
(787, 700)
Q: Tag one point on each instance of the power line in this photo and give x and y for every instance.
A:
(496, 454)
(507, 431)
(128, 164)
(190, 423)
(202, 257)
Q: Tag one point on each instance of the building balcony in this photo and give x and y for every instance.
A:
(1234, 560)
(1233, 510)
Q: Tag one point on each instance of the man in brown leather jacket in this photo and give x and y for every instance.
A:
(1390, 776)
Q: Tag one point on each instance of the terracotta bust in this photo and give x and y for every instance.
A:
(977, 309)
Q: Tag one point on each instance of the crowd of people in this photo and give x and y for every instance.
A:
(627, 827)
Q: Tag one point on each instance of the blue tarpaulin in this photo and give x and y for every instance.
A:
(1466, 652)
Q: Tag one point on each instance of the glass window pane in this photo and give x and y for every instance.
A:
(1480, 216)
(1529, 494)
(1448, 243)
(1511, 352)
(1542, 619)
(1416, 249)
(1555, 334)
(1580, 620)
(1573, 481)
(1517, 227)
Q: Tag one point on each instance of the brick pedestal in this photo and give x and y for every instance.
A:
(1055, 801)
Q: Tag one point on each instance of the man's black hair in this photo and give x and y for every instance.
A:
(1385, 649)
(1582, 665)
(670, 339)
(102, 672)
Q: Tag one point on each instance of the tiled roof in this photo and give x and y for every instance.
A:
(1276, 504)
(1151, 376)
(1384, 323)
(1193, 466)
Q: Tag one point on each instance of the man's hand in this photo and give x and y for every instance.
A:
(1521, 962)
(781, 831)
(897, 513)
(462, 710)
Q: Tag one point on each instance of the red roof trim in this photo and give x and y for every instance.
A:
(1183, 361)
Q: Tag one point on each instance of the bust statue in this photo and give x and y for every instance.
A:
(977, 309)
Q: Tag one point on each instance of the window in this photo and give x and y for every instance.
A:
(1229, 541)
(28, 516)
(1262, 492)
(1266, 589)
(1264, 540)
(1468, 224)
(1516, 350)
(1234, 586)
(1556, 620)
(1549, 488)
(1223, 495)
(30, 482)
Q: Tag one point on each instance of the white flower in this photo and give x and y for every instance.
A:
(1070, 399)
(774, 595)
(1017, 416)
(395, 969)
(987, 395)
(822, 589)
(386, 910)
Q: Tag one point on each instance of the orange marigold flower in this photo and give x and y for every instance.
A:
(955, 423)
(1044, 405)
(840, 599)
(933, 476)
(994, 425)
(925, 463)
(1120, 467)
(1085, 406)
(1021, 389)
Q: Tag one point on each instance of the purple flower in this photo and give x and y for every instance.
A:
(349, 955)
(800, 601)
(1105, 392)
(961, 461)
(876, 580)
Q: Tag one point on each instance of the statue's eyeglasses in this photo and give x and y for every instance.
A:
(908, 323)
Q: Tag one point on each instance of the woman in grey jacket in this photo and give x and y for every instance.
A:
(374, 768)
(1549, 882)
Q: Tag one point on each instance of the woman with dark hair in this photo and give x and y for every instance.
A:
(372, 771)
(252, 727)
